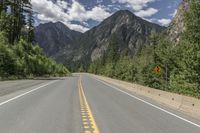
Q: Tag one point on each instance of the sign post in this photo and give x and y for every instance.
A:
(1, 63)
(1, 58)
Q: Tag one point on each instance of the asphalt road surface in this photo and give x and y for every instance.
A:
(81, 104)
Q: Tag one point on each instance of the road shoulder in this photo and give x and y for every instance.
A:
(130, 88)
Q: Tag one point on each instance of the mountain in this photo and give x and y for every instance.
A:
(177, 26)
(131, 31)
(53, 37)
(72, 48)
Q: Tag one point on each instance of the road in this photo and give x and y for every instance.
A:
(80, 104)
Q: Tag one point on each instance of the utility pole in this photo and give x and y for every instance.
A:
(1, 62)
(166, 75)
(1, 58)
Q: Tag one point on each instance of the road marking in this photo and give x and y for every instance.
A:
(88, 121)
(159, 108)
(16, 97)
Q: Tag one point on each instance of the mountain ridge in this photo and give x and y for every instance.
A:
(53, 37)
(132, 33)
(177, 26)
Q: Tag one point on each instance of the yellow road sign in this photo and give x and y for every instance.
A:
(157, 69)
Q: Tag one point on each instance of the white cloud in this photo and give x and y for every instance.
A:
(79, 13)
(66, 13)
(135, 4)
(174, 13)
(146, 13)
(49, 11)
(77, 27)
(85, 23)
(62, 4)
(164, 22)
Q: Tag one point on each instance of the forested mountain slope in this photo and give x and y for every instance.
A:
(74, 49)
(179, 61)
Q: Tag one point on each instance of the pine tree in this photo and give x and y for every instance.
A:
(30, 26)
(113, 54)
(192, 34)
(192, 23)
(13, 22)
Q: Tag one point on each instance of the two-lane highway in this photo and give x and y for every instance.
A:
(76, 105)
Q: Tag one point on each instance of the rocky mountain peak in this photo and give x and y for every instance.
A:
(177, 26)
(120, 17)
(71, 48)
(131, 31)
(122, 13)
(60, 25)
(53, 37)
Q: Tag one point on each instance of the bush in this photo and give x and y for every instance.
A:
(26, 60)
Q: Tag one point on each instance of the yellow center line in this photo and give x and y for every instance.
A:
(88, 121)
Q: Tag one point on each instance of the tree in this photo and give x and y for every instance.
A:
(185, 77)
(30, 26)
(192, 22)
(113, 53)
(13, 21)
(3, 4)
(192, 35)
(22, 58)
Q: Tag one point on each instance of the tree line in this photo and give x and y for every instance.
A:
(19, 56)
(17, 20)
(179, 63)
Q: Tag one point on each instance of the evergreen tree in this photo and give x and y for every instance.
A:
(191, 51)
(192, 23)
(113, 53)
(192, 34)
(30, 26)
(12, 22)
(22, 58)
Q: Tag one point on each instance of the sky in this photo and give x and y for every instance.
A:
(82, 15)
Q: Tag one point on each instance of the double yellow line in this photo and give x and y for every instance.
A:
(88, 121)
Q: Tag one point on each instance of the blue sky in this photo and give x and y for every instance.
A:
(82, 15)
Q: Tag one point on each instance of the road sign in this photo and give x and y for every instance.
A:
(157, 69)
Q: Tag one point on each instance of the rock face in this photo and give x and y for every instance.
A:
(53, 37)
(131, 31)
(177, 27)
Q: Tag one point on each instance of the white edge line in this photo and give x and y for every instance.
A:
(18, 96)
(159, 108)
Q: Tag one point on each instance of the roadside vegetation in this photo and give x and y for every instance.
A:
(19, 56)
(179, 63)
